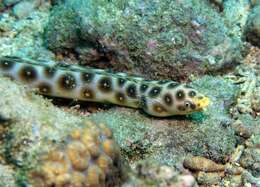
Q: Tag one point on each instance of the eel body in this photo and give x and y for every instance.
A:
(157, 98)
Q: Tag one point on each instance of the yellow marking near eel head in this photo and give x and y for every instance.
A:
(201, 103)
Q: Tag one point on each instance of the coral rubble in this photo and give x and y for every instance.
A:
(89, 158)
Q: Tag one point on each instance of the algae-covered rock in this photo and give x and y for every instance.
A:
(36, 143)
(250, 159)
(24, 8)
(245, 126)
(7, 176)
(22, 37)
(153, 174)
(167, 141)
(2, 6)
(10, 2)
(252, 30)
(161, 39)
(62, 32)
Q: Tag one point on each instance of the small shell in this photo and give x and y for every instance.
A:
(198, 163)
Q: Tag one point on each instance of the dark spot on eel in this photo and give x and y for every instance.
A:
(155, 91)
(172, 85)
(87, 93)
(67, 81)
(87, 77)
(143, 103)
(131, 91)
(181, 108)
(159, 108)
(180, 95)
(143, 88)
(120, 97)
(28, 73)
(121, 82)
(49, 71)
(168, 99)
(6, 65)
(44, 88)
(105, 84)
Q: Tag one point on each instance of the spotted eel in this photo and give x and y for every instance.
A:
(156, 98)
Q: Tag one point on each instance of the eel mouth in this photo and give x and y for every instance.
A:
(201, 102)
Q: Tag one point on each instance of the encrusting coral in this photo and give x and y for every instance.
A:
(89, 158)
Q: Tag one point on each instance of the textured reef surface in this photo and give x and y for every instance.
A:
(212, 44)
(174, 38)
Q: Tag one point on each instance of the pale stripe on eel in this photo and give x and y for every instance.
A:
(157, 98)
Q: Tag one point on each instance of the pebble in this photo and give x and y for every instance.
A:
(242, 130)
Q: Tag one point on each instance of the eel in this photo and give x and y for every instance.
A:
(159, 98)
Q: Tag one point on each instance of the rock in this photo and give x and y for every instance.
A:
(218, 3)
(2, 6)
(250, 179)
(160, 39)
(209, 179)
(24, 8)
(255, 2)
(26, 143)
(256, 101)
(250, 158)
(56, 2)
(233, 181)
(152, 174)
(62, 31)
(252, 30)
(7, 178)
(10, 2)
(246, 125)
